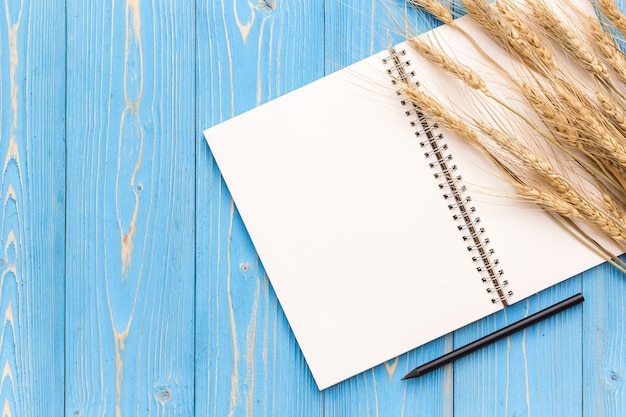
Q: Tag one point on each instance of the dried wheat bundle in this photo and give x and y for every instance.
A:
(612, 13)
(573, 82)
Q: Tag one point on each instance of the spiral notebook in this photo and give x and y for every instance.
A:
(378, 230)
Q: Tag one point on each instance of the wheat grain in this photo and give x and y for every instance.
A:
(614, 208)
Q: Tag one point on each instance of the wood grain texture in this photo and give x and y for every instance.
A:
(604, 358)
(356, 29)
(130, 186)
(536, 372)
(129, 284)
(247, 362)
(32, 154)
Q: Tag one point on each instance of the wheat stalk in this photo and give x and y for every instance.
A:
(608, 48)
(563, 131)
(451, 66)
(571, 206)
(568, 133)
(436, 9)
(571, 203)
(539, 53)
(613, 110)
(615, 16)
(439, 114)
(568, 39)
(587, 123)
(500, 28)
(596, 134)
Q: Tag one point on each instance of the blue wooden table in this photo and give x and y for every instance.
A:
(129, 284)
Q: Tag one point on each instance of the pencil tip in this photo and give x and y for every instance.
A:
(410, 375)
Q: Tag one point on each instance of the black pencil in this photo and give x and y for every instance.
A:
(494, 337)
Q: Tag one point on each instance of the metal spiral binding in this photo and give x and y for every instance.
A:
(398, 68)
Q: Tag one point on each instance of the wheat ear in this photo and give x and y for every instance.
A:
(451, 66)
(597, 134)
(488, 16)
(607, 47)
(613, 110)
(565, 132)
(577, 205)
(554, 120)
(539, 57)
(572, 206)
(443, 14)
(603, 137)
(436, 9)
(615, 16)
(568, 39)
(471, 78)
(538, 51)
(440, 115)
(558, 185)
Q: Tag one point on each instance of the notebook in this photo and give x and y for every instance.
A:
(367, 257)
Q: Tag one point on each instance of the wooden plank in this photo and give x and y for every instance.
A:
(381, 392)
(247, 360)
(357, 29)
(32, 151)
(604, 359)
(534, 372)
(130, 212)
